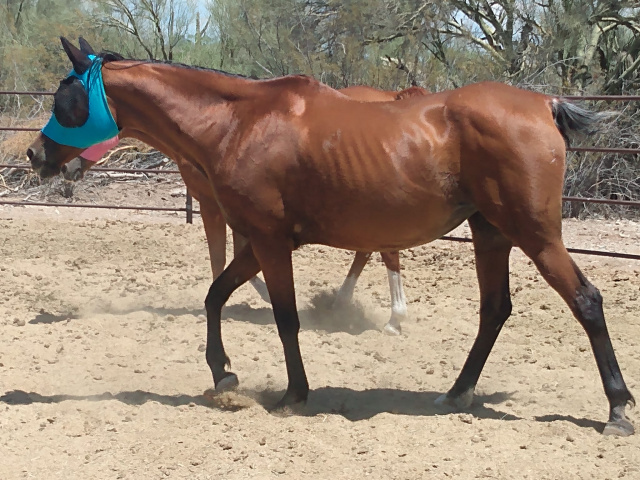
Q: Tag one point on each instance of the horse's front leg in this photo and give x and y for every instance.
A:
(238, 244)
(242, 268)
(492, 250)
(275, 262)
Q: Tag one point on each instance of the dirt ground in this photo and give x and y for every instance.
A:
(102, 369)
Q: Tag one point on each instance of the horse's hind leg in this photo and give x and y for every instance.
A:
(398, 300)
(238, 244)
(345, 293)
(492, 267)
(242, 268)
(585, 301)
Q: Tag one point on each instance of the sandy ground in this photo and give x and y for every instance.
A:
(102, 370)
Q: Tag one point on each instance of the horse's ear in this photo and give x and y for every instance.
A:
(79, 59)
(85, 47)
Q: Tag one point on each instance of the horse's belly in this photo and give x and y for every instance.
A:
(386, 229)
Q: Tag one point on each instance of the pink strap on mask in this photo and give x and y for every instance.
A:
(95, 153)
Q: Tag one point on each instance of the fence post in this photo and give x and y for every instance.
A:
(189, 208)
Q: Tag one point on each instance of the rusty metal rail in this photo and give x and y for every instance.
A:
(13, 92)
(91, 205)
(606, 98)
(19, 129)
(103, 169)
(606, 201)
(582, 251)
(628, 203)
(621, 151)
(188, 208)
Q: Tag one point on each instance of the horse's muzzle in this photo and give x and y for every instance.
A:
(40, 166)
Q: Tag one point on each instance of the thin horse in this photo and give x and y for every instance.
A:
(291, 162)
(199, 188)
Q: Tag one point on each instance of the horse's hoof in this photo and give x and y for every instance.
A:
(227, 383)
(444, 401)
(620, 428)
(290, 400)
(391, 330)
(460, 402)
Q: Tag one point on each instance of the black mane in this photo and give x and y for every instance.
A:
(108, 56)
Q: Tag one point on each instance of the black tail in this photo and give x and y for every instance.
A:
(571, 119)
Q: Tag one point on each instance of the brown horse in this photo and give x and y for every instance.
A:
(291, 162)
(198, 185)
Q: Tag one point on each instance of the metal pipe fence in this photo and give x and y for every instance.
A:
(93, 205)
(188, 208)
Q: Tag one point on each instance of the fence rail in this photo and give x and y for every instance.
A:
(13, 92)
(606, 98)
(92, 205)
(188, 208)
(628, 203)
(19, 129)
(100, 169)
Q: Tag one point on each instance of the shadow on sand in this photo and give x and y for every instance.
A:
(353, 405)
(580, 422)
(137, 397)
(46, 318)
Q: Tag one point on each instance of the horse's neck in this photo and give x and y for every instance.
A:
(175, 110)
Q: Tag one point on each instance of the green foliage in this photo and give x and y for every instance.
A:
(329, 40)
(572, 45)
(30, 53)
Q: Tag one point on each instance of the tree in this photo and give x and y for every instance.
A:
(572, 43)
(157, 26)
(30, 53)
(327, 39)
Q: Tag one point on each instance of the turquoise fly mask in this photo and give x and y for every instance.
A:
(99, 125)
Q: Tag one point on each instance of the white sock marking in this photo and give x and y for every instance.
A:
(398, 302)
